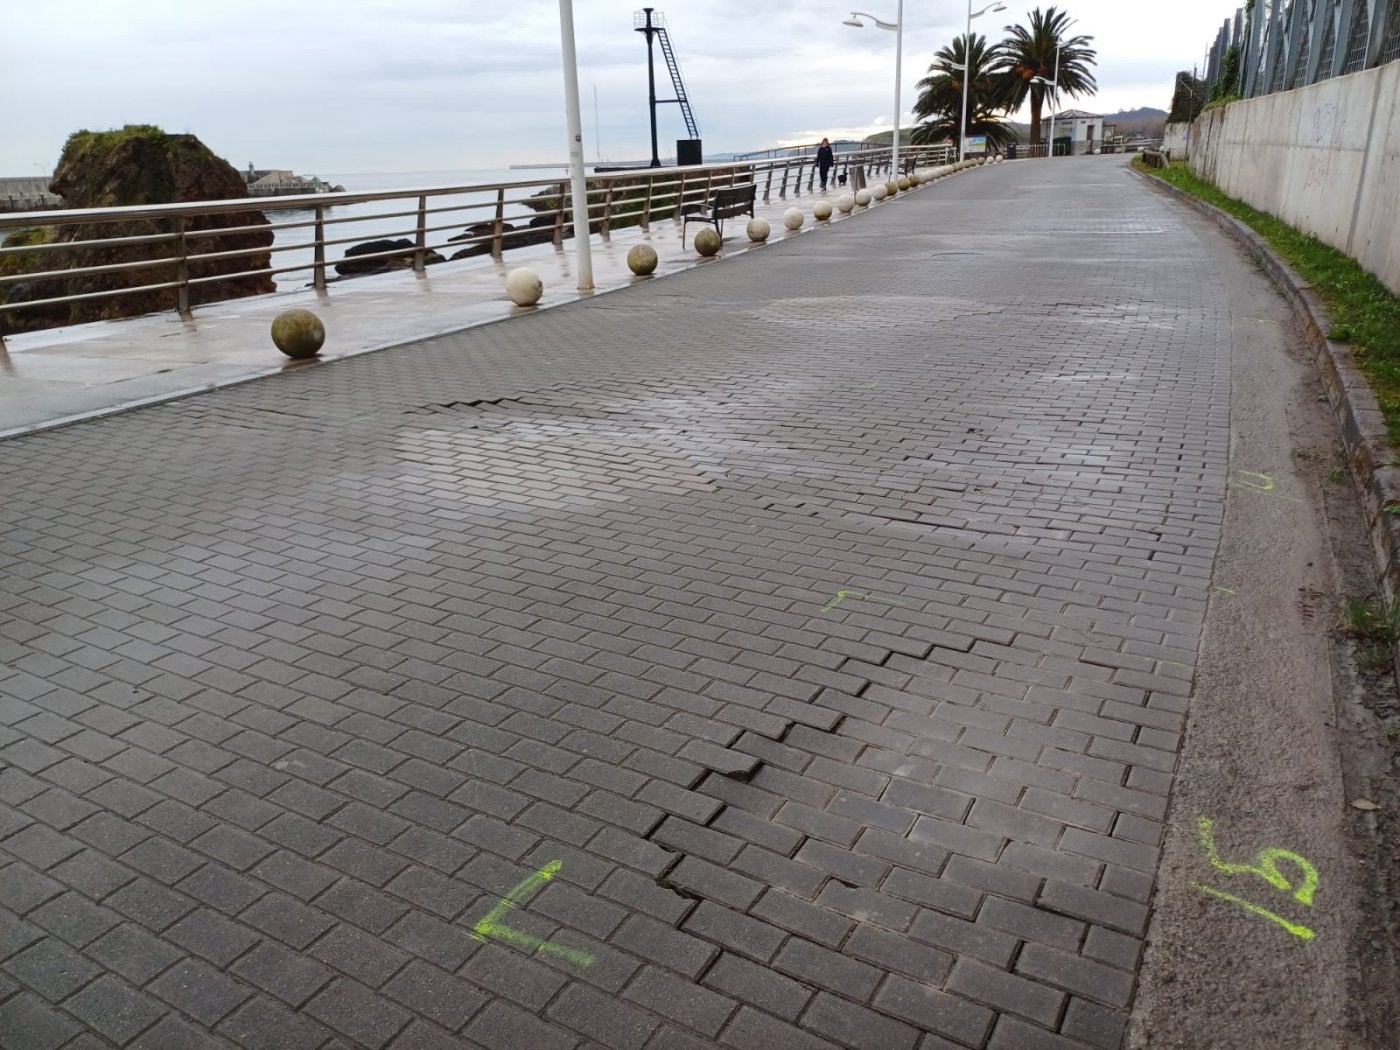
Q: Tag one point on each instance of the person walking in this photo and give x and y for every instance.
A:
(825, 159)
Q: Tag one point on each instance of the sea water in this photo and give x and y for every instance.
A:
(376, 220)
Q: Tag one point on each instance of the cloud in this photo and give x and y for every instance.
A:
(382, 85)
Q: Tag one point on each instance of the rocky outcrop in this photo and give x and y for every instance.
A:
(352, 266)
(143, 165)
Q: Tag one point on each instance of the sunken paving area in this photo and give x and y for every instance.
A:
(791, 653)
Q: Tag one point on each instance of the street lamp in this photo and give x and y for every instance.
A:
(1054, 86)
(897, 28)
(582, 249)
(967, 71)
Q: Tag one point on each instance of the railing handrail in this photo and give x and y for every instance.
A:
(613, 198)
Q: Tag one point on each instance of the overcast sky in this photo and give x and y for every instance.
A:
(340, 86)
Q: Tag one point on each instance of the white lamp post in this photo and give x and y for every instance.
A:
(1054, 86)
(897, 28)
(967, 71)
(582, 250)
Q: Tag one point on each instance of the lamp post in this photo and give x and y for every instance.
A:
(897, 28)
(967, 71)
(583, 254)
(1054, 86)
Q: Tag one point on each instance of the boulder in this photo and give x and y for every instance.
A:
(351, 266)
(140, 164)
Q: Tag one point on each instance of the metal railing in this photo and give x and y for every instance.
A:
(170, 255)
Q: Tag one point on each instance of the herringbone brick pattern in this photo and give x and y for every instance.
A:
(822, 621)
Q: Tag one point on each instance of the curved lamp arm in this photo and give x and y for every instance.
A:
(855, 20)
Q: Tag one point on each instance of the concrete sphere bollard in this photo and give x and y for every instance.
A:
(758, 230)
(298, 333)
(863, 197)
(641, 259)
(793, 218)
(845, 203)
(891, 187)
(821, 211)
(878, 192)
(904, 182)
(524, 286)
(707, 242)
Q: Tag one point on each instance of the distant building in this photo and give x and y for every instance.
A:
(1085, 131)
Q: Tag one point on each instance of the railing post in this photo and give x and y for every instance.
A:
(606, 228)
(768, 186)
(420, 242)
(318, 270)
(564, 203)
(646, 206)
(182, 270)
(678, 213)
(498, 234)
(782, 190)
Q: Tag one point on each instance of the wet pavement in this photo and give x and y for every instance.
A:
(789, 653)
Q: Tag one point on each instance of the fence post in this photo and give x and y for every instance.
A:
(559, 217)
(182, 270)
(646, 205)
(499, 232)
(782, 190)
(420, 242)
(768, 186)
(318, 269)
(606, 228)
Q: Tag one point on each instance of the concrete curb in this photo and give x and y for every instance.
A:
(1359, 417)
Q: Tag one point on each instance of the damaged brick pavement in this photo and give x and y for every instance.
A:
(790, 653)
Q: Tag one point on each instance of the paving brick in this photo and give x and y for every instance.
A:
(812, 921)
(358, 1014)
(737, 933)
(74, 918)
(114, 1009)
(1094, 1024)
(602, 1017)
(852, 1025)
(964, 938)
(502, 1027)
(1105, 909)
(27, 1024)
(133, 953)
(211, 936)
(1091, 980)
(1004, 991)
(935, 1011)
(262, 1023)
(436, 995)
(665, 994)
(289, 975)
(367, 959)
(198, 991)
(812, 964)
(751, 1029)
(52, 969)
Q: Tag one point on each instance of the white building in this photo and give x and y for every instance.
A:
(1084, 130)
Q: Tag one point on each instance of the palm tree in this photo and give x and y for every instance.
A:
(940, 94)
(1030, 51)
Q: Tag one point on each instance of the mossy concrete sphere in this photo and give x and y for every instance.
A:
(821, 211)
(904, 182)
(878, 192)
(707, 242)
(758, 230)
(524, 286)
(845, 203)
(298, 333)
(793, 218)
(863, 198)
(891, 187)
(641, 259)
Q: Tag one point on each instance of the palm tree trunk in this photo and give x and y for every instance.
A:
(1036, 99)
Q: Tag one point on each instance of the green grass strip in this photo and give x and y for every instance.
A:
(1364, 312)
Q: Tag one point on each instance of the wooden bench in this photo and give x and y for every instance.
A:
(727, 203)
(1156, 158)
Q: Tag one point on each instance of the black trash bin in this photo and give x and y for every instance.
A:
(1011, 151)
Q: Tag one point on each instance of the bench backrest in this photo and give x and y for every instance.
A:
(731, 200)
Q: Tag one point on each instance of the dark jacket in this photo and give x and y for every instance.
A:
(825, 158)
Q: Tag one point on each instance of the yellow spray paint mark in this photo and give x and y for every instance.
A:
(492, 925)
(1224, 590)
(1252, 479)
(1302, 932)
(841, 596)
(1265, 866)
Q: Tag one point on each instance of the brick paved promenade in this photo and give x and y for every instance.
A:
(789, 653)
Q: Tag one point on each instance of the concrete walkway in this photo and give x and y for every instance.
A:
(67, 374)
(790, 653)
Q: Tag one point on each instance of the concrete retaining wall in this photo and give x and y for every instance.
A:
(1176, 140)
(1324, 158)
